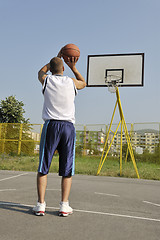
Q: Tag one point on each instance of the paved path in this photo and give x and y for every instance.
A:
(104, 208)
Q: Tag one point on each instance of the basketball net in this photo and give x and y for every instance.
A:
(112, 81)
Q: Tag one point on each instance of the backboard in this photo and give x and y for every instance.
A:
(126, 69)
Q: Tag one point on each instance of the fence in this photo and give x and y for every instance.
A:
(25, 138)
(19, 138)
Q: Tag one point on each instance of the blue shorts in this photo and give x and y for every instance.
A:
(61, 136)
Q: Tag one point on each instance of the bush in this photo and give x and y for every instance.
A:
(79, 150)
(149, 157)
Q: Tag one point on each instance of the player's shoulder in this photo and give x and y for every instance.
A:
(67, 79)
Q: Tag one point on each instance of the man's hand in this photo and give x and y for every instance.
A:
(71, 62)
(79, 81)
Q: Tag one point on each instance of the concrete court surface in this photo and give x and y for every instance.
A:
(104, 208)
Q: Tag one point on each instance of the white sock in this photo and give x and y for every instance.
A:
(65, 203)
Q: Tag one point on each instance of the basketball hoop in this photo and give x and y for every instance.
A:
(112, 81)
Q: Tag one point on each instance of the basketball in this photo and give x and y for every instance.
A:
(70, 50)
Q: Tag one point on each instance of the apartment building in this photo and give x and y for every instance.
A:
(145, 141)
(149, 141)
(93, 141)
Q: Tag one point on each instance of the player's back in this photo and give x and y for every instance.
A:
(59, 94)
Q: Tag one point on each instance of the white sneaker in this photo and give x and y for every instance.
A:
(65, 209)
(39, 209)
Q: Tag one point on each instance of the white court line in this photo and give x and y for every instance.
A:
(107, 194)
(91, 212)
(13, 177)
(155, 204)
(118, 215)
(5, 190)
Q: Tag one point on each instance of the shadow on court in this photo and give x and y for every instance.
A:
(10, 206)
(13, 207)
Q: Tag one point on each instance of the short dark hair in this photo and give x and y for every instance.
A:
(56, 65)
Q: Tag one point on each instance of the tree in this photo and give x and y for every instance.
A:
(11, 118)
(11, 111)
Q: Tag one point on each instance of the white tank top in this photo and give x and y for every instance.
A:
(59, 94)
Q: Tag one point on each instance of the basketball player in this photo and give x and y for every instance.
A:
(58, 131)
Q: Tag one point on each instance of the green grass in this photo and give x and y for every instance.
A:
(89, 165)
(84, 165)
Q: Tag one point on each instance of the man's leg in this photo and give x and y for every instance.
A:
(39, 209)
(66, 187)
(65, 209)
(41, 187)
(66, 149)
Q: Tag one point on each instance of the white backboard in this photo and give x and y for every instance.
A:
(128, 68)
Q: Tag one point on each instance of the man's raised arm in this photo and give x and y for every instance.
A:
(79, 81)
(42, 73)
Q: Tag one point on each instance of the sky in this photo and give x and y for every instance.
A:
(33, 31)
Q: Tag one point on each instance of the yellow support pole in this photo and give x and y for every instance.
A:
(20, 139)
(120, 165)
(109, 129)
(126, 132)
(130, 135)
(123, 126)
(100, 166)
(41, 129)
(130, 149)
(3, 141)
(107, 135)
